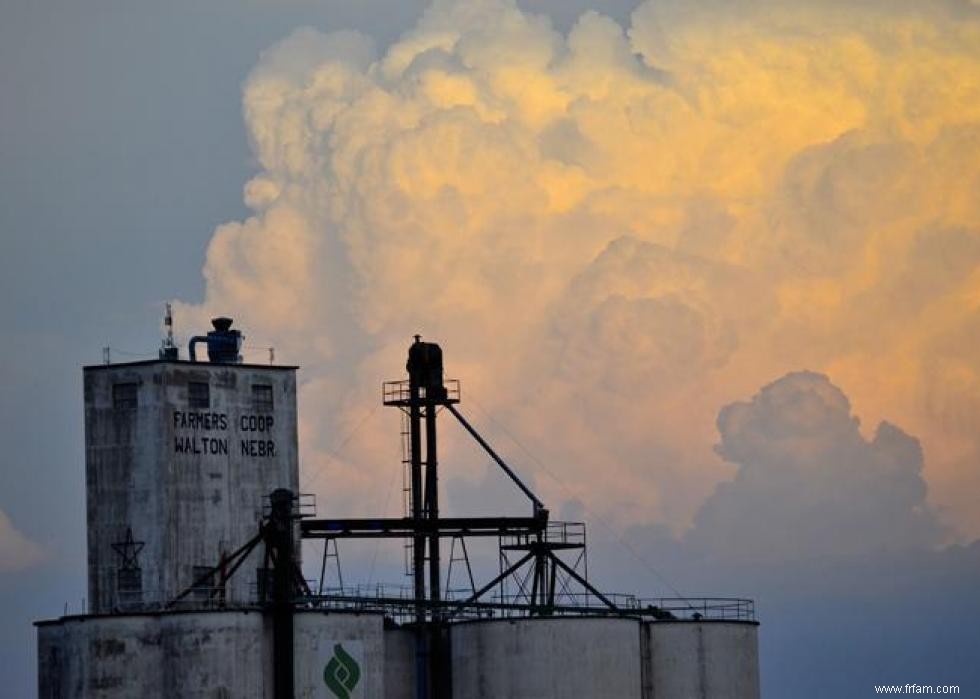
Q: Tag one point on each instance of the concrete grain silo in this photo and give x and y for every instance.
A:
(195, 535)
(700, 658)
(547, 657)
(180, 459)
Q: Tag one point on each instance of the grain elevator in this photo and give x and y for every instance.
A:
(196, 529)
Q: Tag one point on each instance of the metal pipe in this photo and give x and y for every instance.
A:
(418, 498)
(538, 505)
(418, 543)
(432, 497)
(280, 540)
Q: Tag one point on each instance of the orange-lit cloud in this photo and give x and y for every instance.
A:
(616, 231)
(17, 552)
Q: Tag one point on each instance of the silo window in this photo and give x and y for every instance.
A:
(124, 396)
(198, 395)
(203, 585)
(262, 399)
(129, 582)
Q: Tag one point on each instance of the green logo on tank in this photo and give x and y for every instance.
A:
(342, 673)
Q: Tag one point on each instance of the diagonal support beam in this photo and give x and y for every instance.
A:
(538, 505)
(583, 582)
(490, 585)
(238, 556)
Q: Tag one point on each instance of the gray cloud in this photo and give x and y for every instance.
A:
(809, 484)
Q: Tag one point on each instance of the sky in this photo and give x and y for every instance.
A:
(709, 273)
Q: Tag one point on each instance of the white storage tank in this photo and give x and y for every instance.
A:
(154, 655)
(213, 654)
(546, 657)
(706, 659)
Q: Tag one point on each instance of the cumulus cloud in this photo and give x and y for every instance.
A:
(809, 489)
(17, 552)
(809, 484)
(615, 230)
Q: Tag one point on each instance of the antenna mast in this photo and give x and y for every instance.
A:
(168, 348)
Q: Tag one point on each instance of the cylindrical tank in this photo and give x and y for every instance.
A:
(214, 654)
(702, 659)
(546, 658)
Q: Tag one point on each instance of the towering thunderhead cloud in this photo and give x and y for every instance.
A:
(634, 225)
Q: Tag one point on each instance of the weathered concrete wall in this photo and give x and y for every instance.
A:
(197, 654)
(217, 655)
(546, 659)
(189, 481)
(701, 660)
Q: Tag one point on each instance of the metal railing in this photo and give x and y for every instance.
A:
(399, 392)
(563, 533)
(695, 608)
(398, 603)
(304, 506)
